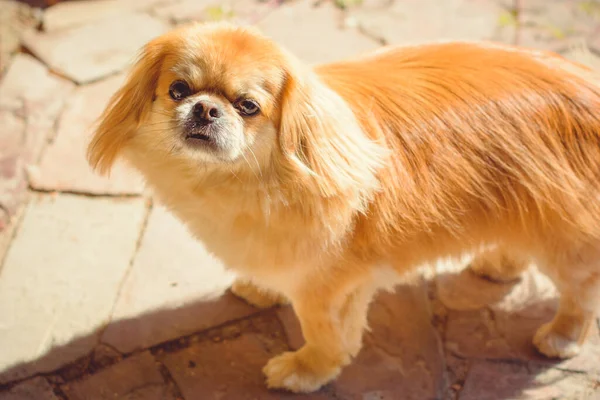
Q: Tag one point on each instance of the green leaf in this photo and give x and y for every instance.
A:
(219, 13)
(507, 18)
(347, 3)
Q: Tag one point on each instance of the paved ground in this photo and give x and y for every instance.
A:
(103, 295)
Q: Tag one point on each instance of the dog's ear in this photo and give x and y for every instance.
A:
(322, 142)
(126, 109)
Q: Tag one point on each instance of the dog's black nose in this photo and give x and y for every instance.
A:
(206, 111)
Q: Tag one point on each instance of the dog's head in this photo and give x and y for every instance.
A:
(220, 97)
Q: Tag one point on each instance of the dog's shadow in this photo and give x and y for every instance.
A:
(455, 335)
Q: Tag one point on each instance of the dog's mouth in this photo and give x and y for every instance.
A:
(198, 136)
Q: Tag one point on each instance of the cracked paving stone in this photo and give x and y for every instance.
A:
(237, 11)
(417, 21)
(32, 389)
(71, 14)
(500, 323)
(94, 51)
(137, 377)
(8, 226)
(13, 183)
(401, 353)
(30, 100)
(556, 25)
(174, 288)
(15, 18)
(30, 89)
(64, 166)
(230, 369)
(183, 11)
(33, 94)
(104, 355)
(492, 380)
(318, 24)
(60, 279)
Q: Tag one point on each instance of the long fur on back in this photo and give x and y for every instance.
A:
(496, 131)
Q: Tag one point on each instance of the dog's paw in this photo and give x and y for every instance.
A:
(553, 344)
(296, 372)
(487, 270)
(255, 296)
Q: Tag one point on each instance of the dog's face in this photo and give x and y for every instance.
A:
(218, 97)
(201, 95)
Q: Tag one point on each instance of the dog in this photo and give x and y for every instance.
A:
(318, 184)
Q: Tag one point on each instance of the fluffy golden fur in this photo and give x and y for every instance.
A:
(360, 170)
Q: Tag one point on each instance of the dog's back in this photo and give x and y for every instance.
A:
(510, 133)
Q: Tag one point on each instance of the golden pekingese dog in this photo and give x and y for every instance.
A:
(317, 185)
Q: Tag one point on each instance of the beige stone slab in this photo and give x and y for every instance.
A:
(313, 32)
(36, 96)
(401, 352)
(175, 288)
(137, 377)
(417, 21)
(64, 166)
(61, 277)
(93, 51)
(33, 389)
(502, 380)
(230, 368)
(70, 14)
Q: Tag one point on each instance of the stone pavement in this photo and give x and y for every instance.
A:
(103, 295)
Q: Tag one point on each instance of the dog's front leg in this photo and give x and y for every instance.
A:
(331, 320)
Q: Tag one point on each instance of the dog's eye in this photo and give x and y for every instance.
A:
(247, 107)
(179, 90)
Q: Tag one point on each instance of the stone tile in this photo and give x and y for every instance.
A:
(474, 334)
(502, 380)
(237, 11)
(8, 227)
(61, 277)
(15, 18)
(583, 54)
(463, 290)
(105, 355)
(33, 389)
(401, 353)
(175, 288)
(63, 166)
(488, 322)
(70, 14)
(593, 40)
(93, 51)
(555, 25)
(183, 11)
(416, 21)
(30, 100)
(250, 12)
(137, 377)
(13, 185)
(291, 326)
(478, 312)
(33, 94)
(230, 369)
(28, 86)
(322, 38)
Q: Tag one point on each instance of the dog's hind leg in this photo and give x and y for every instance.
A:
(576, 274)
(499, 264)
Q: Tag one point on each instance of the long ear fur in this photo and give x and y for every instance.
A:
(322, 141)
(126, 109)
